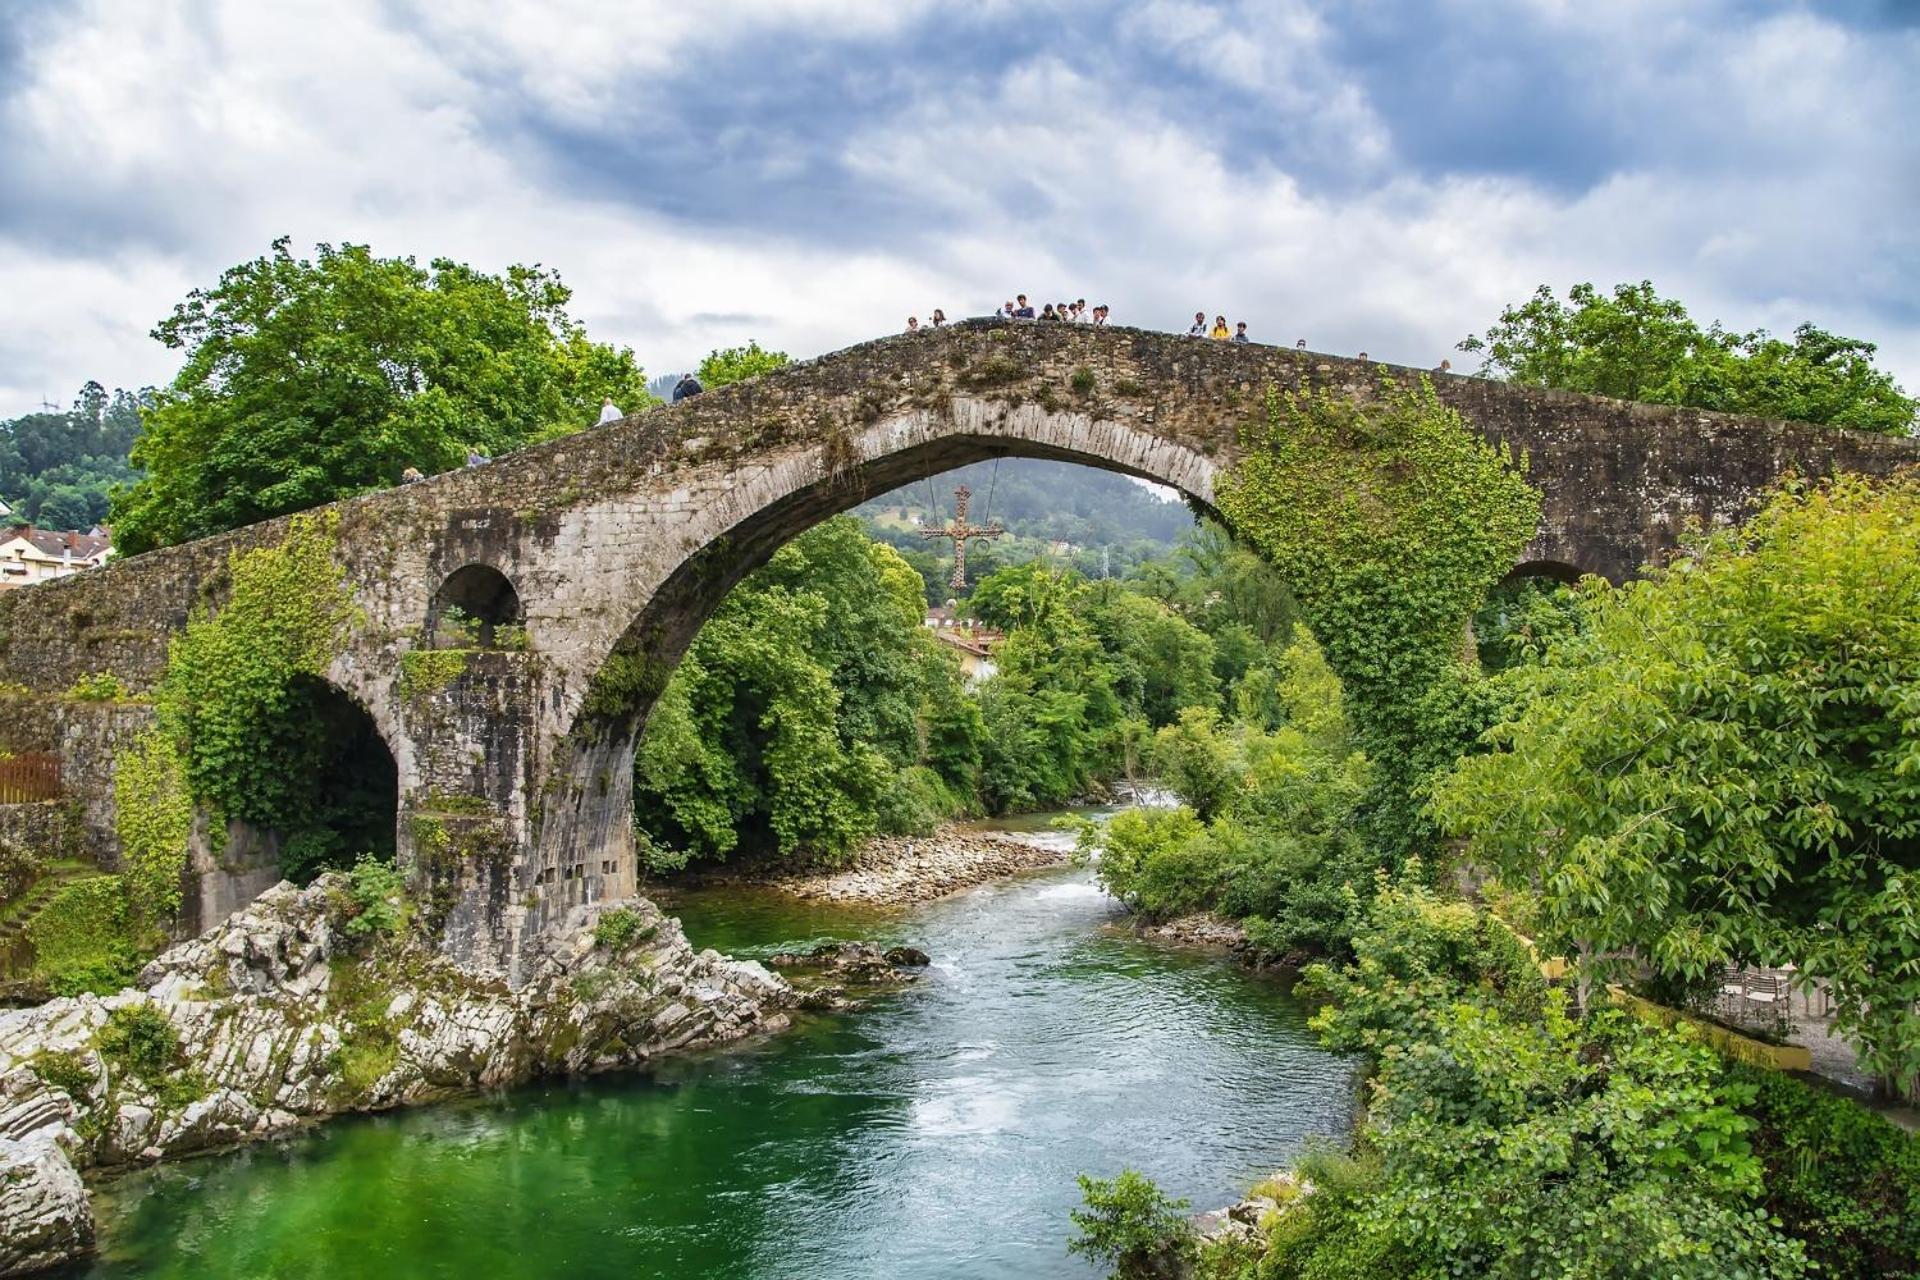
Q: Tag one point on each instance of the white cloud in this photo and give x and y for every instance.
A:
(162, 143)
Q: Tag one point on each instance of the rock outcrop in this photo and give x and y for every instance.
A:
(280, 1015)
(828, 967)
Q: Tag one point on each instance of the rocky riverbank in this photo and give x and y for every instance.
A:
(899, 870)
(280, 1016)
(1201, 931)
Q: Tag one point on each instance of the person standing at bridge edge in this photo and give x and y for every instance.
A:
(687, 388)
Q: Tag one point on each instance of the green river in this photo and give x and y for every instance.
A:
(933, 1133)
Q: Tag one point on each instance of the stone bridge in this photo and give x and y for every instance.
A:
(613, 546)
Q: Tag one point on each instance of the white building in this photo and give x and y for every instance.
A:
(29, 555)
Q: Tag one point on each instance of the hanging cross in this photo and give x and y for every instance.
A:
(961, 532)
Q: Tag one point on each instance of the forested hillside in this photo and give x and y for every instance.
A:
(1098, 522)
(57, 467)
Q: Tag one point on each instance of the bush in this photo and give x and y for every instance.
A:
(1841, 1178)
(918, 801)
(140, 1041)
(113, 971)
(65, 1072)
(619, 929)
(101, 686)
(83, 939)
(379, 895)
(1130, 1225)
(1149, 859)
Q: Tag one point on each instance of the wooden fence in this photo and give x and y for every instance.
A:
(27, 778)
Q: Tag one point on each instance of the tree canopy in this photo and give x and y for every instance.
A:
(307, 380)
(1636, 345)
(736, 364)
(1723, 764)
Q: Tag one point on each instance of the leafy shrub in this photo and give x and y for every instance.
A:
(1710, 770)
(379, 896)
(1194, 759)
(1130, 1225)
(1145, 859)
(918, 801)
(65, 1072)
(1512, 1139)
(100, 686)
(116, 970)
(84, 939)
(620, 928)
(140, 1041)
(1841, 1178)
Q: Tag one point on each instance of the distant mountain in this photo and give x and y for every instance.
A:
(1037, 498)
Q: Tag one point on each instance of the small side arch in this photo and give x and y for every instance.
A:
(472, 603)
(1555, 570)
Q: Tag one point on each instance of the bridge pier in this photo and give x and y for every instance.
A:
(467, 771)
(501, 836)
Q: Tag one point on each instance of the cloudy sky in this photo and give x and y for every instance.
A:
(1364, 174)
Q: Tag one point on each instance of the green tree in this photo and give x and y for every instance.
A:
(1724, 765)
(1192, 758)
(812, 710)
(1392, 517)
(1636, 345)
(735, 364)
(310, 380)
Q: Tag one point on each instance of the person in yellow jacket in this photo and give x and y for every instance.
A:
(1220, 332)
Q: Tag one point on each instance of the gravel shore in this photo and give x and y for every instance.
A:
(898, 870)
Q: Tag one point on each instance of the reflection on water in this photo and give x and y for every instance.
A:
(934, 1134)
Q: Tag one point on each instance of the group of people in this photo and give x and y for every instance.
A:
(938, 320)
(1219, 331)
(1076, 312)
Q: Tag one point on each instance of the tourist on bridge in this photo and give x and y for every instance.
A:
(1300, 343)
(411, 476)
(1100, 314)
(939, 320)
(1199, 326)
(1220, 332)
(687, 388)
(475, 458)
(1047, 313)
(913, 324)
(1080, 311)
(1008, 310)
(1023, 311)
(609, 412)
(1240, 332)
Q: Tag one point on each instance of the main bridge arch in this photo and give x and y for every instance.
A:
(611, 547)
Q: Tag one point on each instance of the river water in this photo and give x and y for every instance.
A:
(934, 1133)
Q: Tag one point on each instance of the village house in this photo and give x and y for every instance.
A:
(974, 643)
(29, 555)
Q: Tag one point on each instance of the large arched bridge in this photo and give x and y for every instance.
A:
(613, 546)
